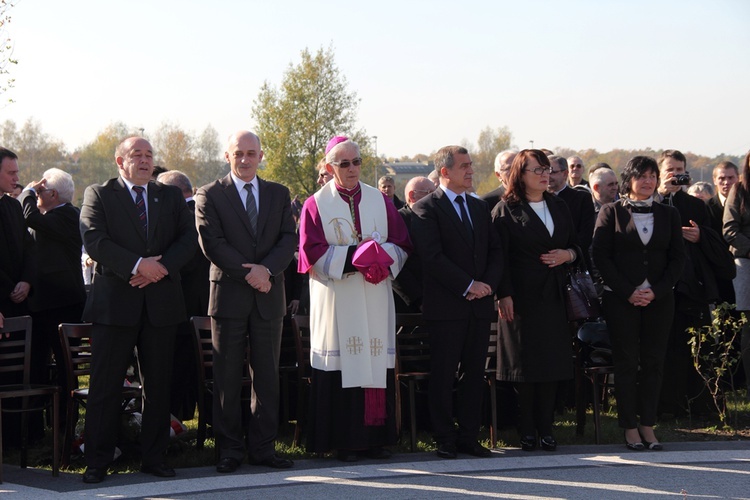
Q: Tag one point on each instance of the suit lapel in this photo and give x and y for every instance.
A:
(123, 194)
(154, 207)
(230, 191)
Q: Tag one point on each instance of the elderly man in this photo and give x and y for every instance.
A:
(352, 243)
(503, 161)
(247, 231)
(195, 290)
(462, 255)
(59, 294)
(387, 186)
(140, 233)
(407, 287)
(579, 202)
(604, 187)
(575, 172)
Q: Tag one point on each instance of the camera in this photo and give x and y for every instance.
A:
(681, 180)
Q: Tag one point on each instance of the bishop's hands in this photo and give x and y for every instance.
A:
(150, 270)
(258, 277)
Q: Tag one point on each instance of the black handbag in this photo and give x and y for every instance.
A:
(581, 301)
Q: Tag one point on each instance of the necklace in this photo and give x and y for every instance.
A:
(351, 210)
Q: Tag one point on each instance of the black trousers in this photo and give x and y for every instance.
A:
(112, 349)
(452, 343)
(639, 337)
(230, 337)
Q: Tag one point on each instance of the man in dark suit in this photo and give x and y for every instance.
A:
(407, 286)
(195, 290)
(247, 231)
(59, 294)
(725, 175)
(17, 269)
(695, 290)
(140, 234)
(16, 244)
(503, 161)
(462, 258)
(579, 202)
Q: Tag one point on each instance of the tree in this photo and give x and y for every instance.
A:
(210, 165)
(175, 149)
(6, 49)
(490, 143)
(296, 121)
(36, 150)
(95, 162)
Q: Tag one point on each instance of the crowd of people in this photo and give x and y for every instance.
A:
(161, 251)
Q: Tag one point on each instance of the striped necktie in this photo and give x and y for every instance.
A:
(140, 204)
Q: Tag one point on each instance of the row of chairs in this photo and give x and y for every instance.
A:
(412, 368)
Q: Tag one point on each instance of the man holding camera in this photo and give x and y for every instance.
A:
(696, 289)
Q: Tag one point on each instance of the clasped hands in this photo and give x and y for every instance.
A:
(556, 257)
(642, 298)
(258, 277)
(150, 270)
(478, 290)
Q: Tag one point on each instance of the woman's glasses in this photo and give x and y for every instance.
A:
(539, 170)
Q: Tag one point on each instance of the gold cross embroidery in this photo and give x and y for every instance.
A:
(376, 347)
(354, 345)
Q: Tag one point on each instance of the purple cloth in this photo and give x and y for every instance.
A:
(313, 244)
(336, 140)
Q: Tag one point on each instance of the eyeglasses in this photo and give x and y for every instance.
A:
(576, 165)
(539, 170)
(346, 163)
(40, 192)
(425, 191)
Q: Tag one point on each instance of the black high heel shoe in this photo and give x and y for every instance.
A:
(528, 443)
(637, 446)
(653, 446)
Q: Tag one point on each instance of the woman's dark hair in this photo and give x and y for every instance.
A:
(516, 191)
(637, 167)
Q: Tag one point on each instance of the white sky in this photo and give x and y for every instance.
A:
(579, 74)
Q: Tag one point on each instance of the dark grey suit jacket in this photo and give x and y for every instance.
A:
(452, 260)
(228, 241)
(113, 237)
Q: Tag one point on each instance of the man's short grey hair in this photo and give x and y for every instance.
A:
(501, 156)
(331, 155)
(701, 187)
(575, 158)
(597, 176)
(562, 163)
(444, 156)
(62, 182)
(176, 178)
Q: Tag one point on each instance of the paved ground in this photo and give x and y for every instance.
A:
(683, 470)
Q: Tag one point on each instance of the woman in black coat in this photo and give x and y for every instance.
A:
(640, 254)
(534, 351)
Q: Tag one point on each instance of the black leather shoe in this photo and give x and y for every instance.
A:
(475, 449)
(227, 465)
(528, 443)
(347, 456)
(94, 475)
(549, 443)
(655, 446)
(158, 470)
(379, 453)
(274, 461)
(446, 450)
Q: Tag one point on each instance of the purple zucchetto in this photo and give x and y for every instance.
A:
(336, 140)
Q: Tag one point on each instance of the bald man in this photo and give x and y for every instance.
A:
(246, 230)
(407, 287)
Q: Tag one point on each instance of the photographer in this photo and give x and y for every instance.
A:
(707, 258)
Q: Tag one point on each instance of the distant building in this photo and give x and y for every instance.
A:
(402, 171)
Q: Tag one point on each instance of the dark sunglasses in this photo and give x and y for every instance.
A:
(346, 163)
